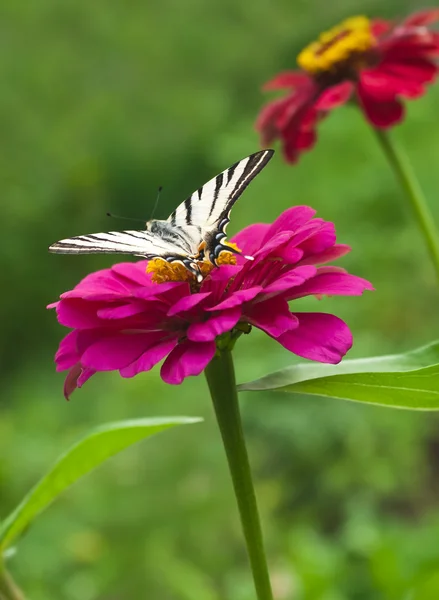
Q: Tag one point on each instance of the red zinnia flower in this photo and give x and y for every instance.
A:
(376, 62)
(128, 318)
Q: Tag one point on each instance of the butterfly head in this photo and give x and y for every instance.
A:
(151, 226)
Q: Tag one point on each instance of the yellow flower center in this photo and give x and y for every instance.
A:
(352, 37)
(163, 271)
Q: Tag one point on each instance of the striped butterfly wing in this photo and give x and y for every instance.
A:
(138, 243)
(205, 214)
(209, 207)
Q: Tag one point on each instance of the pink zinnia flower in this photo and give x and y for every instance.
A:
(131, 316)
(376, 63)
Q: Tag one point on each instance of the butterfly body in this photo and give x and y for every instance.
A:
(194, 232)
(187, 237)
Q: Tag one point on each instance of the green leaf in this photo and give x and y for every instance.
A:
(88, 453)
(408, 380)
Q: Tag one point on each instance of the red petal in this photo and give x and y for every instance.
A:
(423, 17)
(383, 86)
(296, 139)
(335, 96)
(268, 118)
(382, 114)
(411, 45)
(416, 69)
(380, 27)
(305, 140)
(287, 79)
(297, 110)
(292, 119)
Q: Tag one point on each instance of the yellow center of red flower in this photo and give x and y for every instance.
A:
(163, 271)
(352, 37)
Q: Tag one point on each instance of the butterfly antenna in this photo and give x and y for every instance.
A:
(156, 202)
(125, 218)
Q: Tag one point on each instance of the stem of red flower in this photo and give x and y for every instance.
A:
(8, 589)
(406, 176)
(220, 376)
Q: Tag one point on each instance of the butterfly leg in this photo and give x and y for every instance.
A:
(218, 245)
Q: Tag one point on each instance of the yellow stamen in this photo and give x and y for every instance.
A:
(352, 36)
(163, 271)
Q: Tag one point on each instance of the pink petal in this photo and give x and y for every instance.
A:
(216, 325)
(283, 243)
(87, 337)
(380, 114)
(149, 358)
(169, 292)
(292, 279)
(122, 311)
(218, 281)
(291, 219)
(336, 251)
(223, 273)
(332, 284)
(84, 376)
(284, 240)
(67, 355)
(187, 303)
(335, 96)
(133, 273)
(188, 358)
(320, 240)
(272, 316)
(330, 269)
(76, 378)
(320, 336)
(118, 351)
(237, 298)
(290, 254)
(95, 295)
(101, 285)
(287, 79)
(249, 239)
(273, 246)
(78, 313)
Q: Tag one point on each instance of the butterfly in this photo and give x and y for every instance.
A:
(195, 231)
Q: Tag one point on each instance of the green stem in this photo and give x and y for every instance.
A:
(407, 178)
(8, 589)
(220, 376)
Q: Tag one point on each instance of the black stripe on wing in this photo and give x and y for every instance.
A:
(218, 186)
(188, 207)
(240, 178)
(138, 243)
(211, 203)
(255, 163)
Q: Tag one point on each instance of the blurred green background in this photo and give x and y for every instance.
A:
(102, 102)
